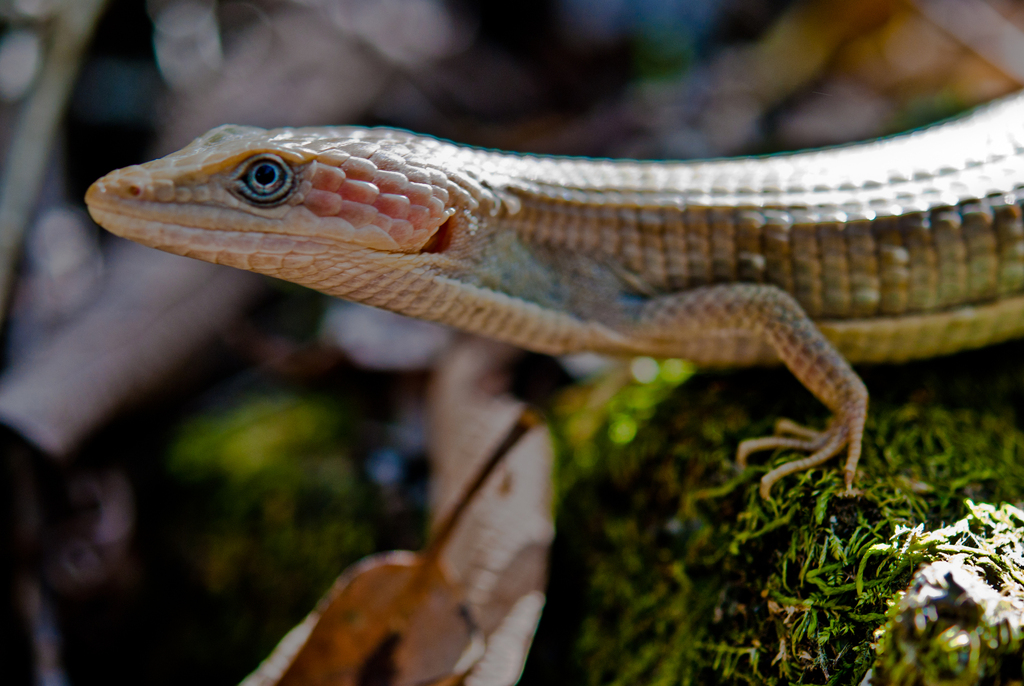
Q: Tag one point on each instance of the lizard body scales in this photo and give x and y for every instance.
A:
(895, 249)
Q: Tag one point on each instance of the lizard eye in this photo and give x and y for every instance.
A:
(265, 180)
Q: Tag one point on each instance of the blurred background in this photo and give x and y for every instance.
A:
(191, 454)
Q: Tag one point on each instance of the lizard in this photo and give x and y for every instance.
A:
(889, 250)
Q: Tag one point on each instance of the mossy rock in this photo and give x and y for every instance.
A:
(675, 571)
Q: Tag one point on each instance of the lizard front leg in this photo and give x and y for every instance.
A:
(695, 317)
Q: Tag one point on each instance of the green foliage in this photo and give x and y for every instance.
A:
(272, 509)
(661, 54)
(690, 577)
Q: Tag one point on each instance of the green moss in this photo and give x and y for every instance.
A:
(961, 621)
(269, 509)
(689, 577)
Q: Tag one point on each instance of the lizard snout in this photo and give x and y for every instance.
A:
(130, 183)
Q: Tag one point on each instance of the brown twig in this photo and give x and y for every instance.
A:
(25, 166)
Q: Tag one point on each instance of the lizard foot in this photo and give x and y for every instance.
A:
(822, 445)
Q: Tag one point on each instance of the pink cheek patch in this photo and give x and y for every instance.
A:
(419, 215)
(419, 193)
(323, 203)
(359, 191)
(326, 178)
(410, 213)
(390, 182)
(394, 206)
(357, 214)
(402, 231)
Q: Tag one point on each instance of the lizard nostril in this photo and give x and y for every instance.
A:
(134, 190)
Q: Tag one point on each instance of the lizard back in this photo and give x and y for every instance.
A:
(918, 223)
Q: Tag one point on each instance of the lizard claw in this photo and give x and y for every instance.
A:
(788, 435)
(822, 445)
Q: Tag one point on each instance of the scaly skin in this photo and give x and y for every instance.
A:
(886, 251)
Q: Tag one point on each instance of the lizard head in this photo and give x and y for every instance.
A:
(261, 200)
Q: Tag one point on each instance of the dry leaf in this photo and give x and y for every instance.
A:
(463, 611)
(469, 413)
(392, 619)
(499, 552)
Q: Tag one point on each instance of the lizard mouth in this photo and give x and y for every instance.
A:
(306, 260)
(135, 227)
(134, 219)
(235, 248)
